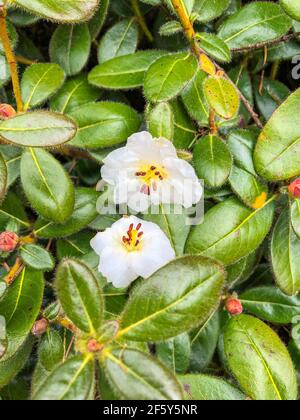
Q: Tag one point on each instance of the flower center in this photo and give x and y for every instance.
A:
(150, 176)
(132, 241)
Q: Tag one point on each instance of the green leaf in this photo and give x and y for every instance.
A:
(260, 361)
(121, 39)
(12, 366)
(248, 188)
(3, 336)
(50, 354)
(134, 375)
(270, 304)
(237, 231)
(222, 96)
(12, 211)
(194, 99)
(189, 290)
(292, 8)
(62, 11)
(178, 70)
(257, 22)
(74, 93)
(70, 47)
(204, 342)
(209, 10)
(204, 387)
(39, 82)
(276, 154)
(20, 307)
(270, 97)
(98, 20)
(38, 129)
(285, 253)
(212, 161)
(104, 124)
(124, 72)
(80, 295)
(70, 381)
(241, 144)
(175, 353)
(214, 47)
(161, 121)
(84, 213)
(37, 257)
(295, 216)
(3, 177)
(184, 130)
(174, 225)
(47, 186)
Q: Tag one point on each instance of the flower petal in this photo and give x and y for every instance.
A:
(116, 267)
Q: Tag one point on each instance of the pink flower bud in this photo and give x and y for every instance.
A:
(294, 188)
(8, 241)
(6, 111)
(234, 306)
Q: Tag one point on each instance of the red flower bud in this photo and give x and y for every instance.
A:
(6, 111)
(294, 188)
(40, 327)
(8, 241)
(234, 306)
(93, 346)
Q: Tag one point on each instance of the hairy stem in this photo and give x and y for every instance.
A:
(140, 18)
(10, 58)
(260, 45)
(205, 61)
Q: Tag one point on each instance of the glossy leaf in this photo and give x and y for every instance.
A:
(47, 185)
(271, 305)
(175, 353)
(204, 387)
(38, 129)
(39, 82)
(80, 295)
(104, 124)
(37, 257)
(222, 96)
(236, 232)
(124, 72)
(20, 307)
(189, 290)
(257, 22)
(64, 10)
(260, 361)
(84, 213)
(70, 381)
(285, 251)
(212, 161)
(276, 154)
(133, 375)
(178, 70)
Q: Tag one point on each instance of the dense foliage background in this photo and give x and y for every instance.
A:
(219, 79)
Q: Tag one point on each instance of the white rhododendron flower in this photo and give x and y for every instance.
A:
(148, 171)
(131, 248)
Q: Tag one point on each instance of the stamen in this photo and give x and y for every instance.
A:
(140, 234)
(153, 168)
(137, 243)
(139, 226)
(133, 239)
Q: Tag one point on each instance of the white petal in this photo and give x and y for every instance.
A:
(102, 240)
(155, 253)
(115, 266)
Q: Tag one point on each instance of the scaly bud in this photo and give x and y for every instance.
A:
(294, 188)
(8, 241)
(6, 111)
(234, 306)
(93, 346)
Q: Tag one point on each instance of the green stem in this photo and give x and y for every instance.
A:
(138, 13)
